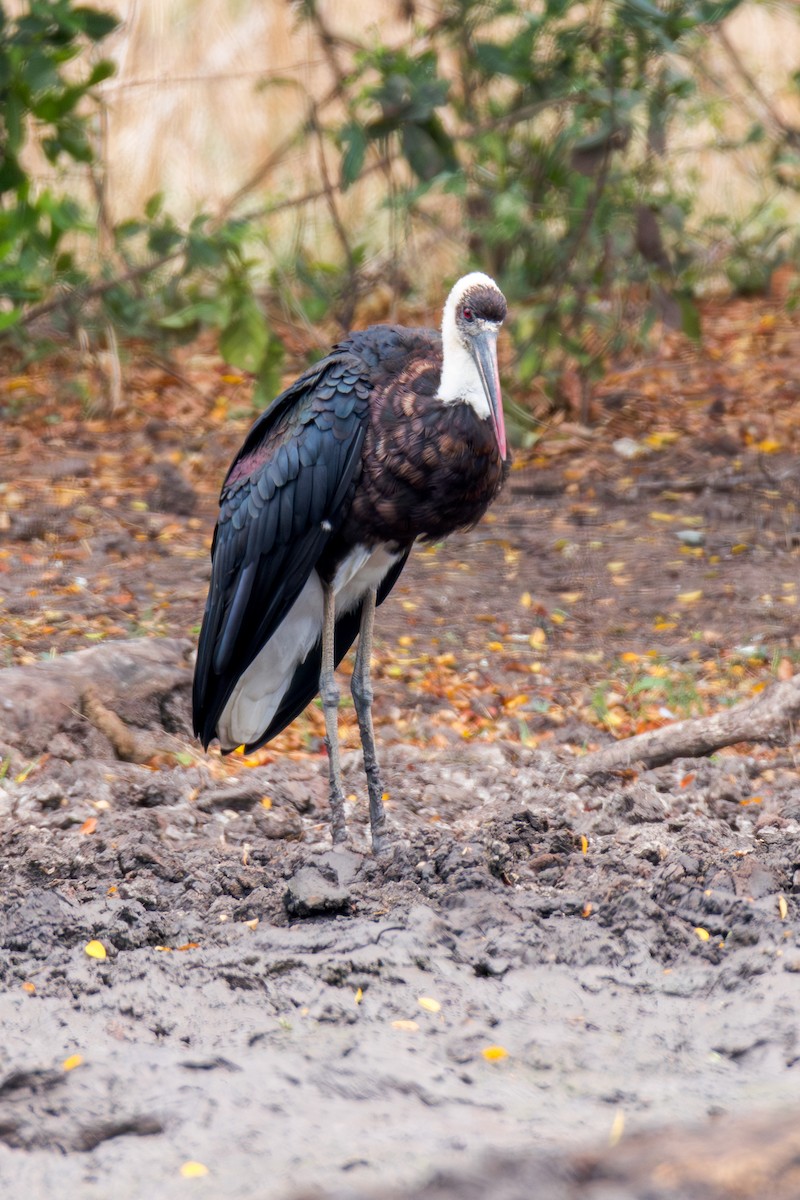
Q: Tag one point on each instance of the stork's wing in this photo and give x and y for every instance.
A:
(286, 493)
(305, 681)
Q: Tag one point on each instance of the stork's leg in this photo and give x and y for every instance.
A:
(329, 691)
(361, 688)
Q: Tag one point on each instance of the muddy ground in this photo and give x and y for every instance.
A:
(545, 964)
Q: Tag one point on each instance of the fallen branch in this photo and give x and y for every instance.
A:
(767, 718)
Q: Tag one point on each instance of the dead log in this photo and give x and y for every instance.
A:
(98, 702)
(769, 717)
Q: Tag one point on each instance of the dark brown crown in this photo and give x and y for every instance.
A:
(487, 303)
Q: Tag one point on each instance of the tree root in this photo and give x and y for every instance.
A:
(128, 744)
(769, 717)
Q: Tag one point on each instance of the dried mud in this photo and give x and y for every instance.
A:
(246, 1016)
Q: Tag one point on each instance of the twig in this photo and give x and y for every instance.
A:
(97, 289)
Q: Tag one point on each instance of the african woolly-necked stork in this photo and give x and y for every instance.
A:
(397, 434)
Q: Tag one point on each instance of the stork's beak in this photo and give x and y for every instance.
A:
(484, 351)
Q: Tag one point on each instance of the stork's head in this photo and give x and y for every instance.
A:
(473, 314)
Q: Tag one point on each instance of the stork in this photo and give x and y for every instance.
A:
(397, 434)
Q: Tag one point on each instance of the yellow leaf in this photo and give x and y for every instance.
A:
(538, 638)
(30, 988)
(253, 924)
(615, 567)
(661, 626)
(515, 702)
(661, 437)
(266, 802)
(557, 618)
(584, 843)
(494, 1053)
(661, 516)
(95, 949)
(739, 548)
(193, 1170)
(703, 934)
(495, 645)
(587, 910)
(526, 600)
(405, 640)
(409, 605)
(689, 597)
(359, 996)
(783, 907)
(405, 1026)
(768, 446)
(74, 1060)
(630, 657)
(429, 1004)
(617, 1128)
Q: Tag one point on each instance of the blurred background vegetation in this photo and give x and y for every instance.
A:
(277, 172)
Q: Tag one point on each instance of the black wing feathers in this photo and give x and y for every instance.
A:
(296, 469)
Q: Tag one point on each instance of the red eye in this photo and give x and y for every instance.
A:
(467, 314)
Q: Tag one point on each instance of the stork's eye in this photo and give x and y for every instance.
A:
(467, 314)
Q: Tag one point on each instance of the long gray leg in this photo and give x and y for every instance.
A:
(361, 688)
(329, 692)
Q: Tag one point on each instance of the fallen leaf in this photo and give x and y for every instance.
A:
(405, 1026)
(430, 1005)
(783, 907)
(494, 1053)
(74, 1060)
(703, 934)
(95, 949)
(617, 1128)
(193, 1170)
(89, 825)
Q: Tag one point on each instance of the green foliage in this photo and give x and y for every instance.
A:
(547, 126)
(35, 90)
(563, 113)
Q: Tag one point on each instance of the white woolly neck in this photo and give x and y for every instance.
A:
(460, 381)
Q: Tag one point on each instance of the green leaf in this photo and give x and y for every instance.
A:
(9, 318)
(355, 141)
(153, 206)
(690, 317)
(94, 23)
(244, 340)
